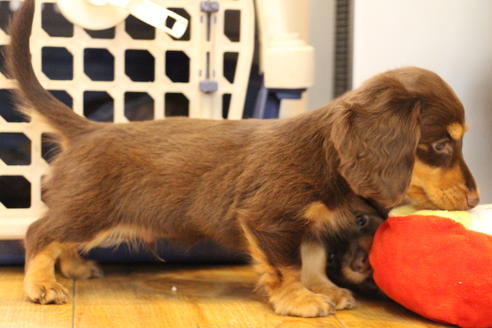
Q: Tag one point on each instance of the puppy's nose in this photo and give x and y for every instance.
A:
(472, 198)
(360, 263)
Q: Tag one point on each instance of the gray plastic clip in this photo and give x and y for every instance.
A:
(208, 86)
(209, 6)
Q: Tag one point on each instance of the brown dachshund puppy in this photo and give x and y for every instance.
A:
(263, 187)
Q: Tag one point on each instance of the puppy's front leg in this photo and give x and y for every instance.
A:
(313, 275)
(289, 296)
(282, 283)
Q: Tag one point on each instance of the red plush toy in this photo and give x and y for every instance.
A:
(438, 264)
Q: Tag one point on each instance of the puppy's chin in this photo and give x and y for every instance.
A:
(355, 277)
(361, 283)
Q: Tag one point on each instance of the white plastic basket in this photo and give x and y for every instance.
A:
(206, 62)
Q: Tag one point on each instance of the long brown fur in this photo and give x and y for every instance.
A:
(261, 187)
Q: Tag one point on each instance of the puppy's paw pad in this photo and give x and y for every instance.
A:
(49, 292)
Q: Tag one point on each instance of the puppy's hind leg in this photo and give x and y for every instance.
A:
(42, 251)
(73, 266)
(48, 240)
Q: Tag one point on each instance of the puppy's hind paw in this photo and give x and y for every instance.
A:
(81, 269)
(48, 292)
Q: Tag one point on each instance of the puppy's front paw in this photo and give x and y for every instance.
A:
(303, 303)
(341, 297)
(46, 292)
(344, 299)
(81, 269)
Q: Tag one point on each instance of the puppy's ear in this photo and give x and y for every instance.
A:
(375, 133)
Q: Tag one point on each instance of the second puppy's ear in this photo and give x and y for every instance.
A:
(375, 133)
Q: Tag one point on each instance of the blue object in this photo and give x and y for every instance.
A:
(12, 253)
(268, 101)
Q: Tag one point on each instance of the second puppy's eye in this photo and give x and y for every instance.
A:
(362, 220)
(331, 258)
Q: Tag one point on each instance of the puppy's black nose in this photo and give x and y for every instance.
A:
(472, 198)
(360, 262)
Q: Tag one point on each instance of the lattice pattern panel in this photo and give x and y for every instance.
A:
(130, 72)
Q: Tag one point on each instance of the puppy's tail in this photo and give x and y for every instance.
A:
(33, 97)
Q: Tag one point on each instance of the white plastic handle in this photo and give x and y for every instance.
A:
(152, 14)
(102, 14)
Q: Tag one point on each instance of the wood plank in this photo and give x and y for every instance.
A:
(143, 296)
(371, 313)
(17, 312)
(203, 297)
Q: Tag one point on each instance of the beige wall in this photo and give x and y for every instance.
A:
(450, 37)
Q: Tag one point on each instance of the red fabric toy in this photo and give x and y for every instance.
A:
(436, 266)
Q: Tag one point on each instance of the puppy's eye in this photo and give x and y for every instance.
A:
(362, 220)
(443, 146)
(331, 258)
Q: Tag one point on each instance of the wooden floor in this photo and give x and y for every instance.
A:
(168, 296)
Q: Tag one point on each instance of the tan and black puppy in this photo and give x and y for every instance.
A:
(343, 257)
(262, 187)
(348, 265)
(348, 257)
